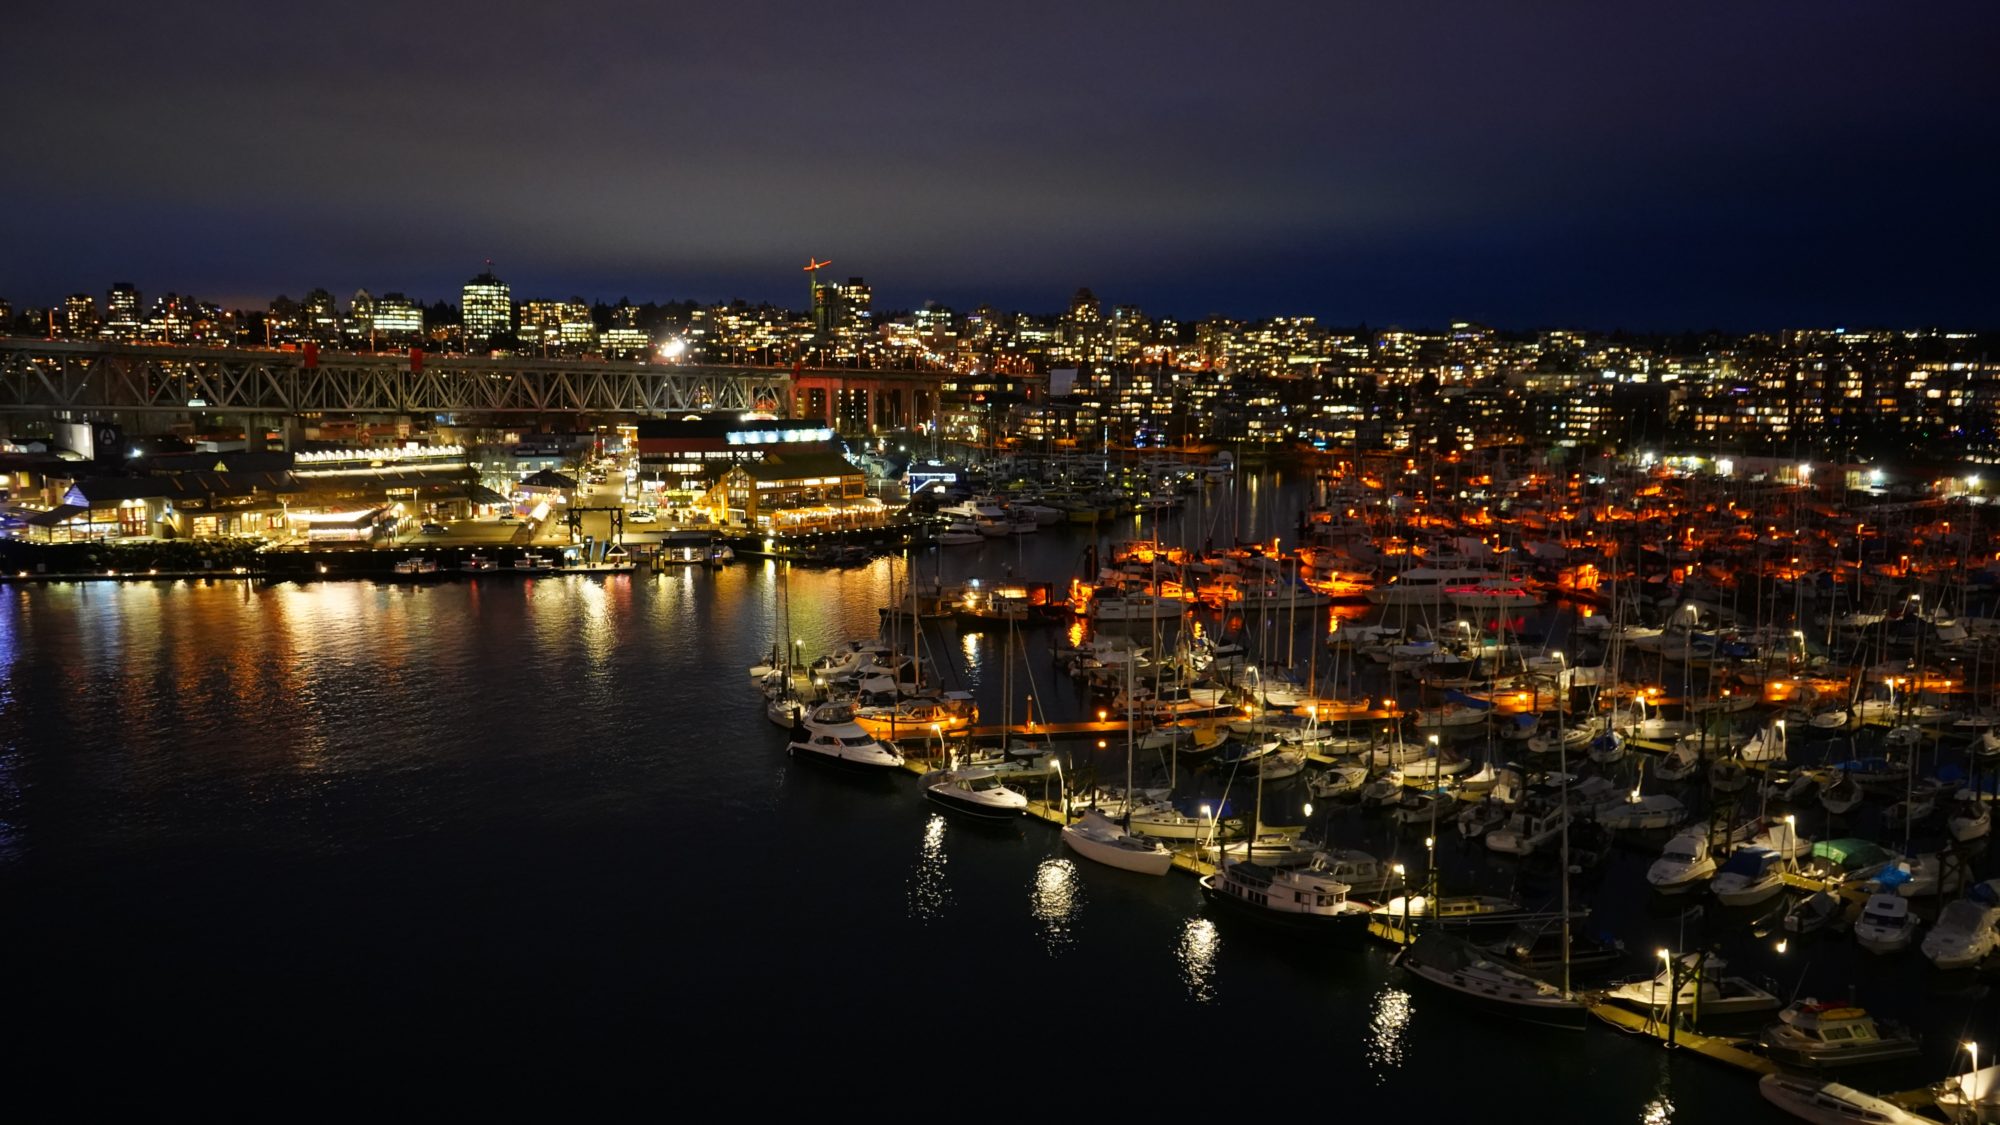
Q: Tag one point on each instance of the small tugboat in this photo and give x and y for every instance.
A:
(1815, 1036)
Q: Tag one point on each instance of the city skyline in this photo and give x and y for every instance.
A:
(1719, 168)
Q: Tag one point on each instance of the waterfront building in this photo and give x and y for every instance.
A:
(486, 311)
(789, 490)
(680, 459)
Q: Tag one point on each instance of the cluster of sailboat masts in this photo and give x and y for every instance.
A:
(1646, 533)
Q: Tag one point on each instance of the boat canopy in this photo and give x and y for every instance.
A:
(1749, 861)
(1468, 700)
(1851, 853)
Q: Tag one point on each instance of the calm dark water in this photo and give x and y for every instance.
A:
(270, 839)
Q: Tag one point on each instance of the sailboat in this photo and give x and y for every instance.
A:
(1294, 893)
(1454, 965)
(1098, 838)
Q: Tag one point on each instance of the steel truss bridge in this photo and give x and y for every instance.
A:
(88, 377)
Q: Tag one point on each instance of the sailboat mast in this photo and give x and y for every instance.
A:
(1129, 742)
(1562, 764)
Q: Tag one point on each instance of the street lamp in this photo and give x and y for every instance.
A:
(1673, 995)
(1404, 880)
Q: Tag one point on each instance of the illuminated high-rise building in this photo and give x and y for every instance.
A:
(398, 319)
(625, 339)
(121, 312)
(79, 316)
(320, 317)
(359, 326)
(579, 331)
(486, 310)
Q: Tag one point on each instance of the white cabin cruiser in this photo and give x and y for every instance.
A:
(1886, 924)
(1683, 866)
(1713, 994)
(978, 793)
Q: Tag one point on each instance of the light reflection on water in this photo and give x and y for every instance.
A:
(1198, 946)
(1388, 1019)
(1056, 899)
(929, 893)
(1659, 1111)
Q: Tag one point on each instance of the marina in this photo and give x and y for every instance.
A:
(1066, 710)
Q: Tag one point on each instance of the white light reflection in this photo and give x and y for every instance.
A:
(968, 643)
(1199, 941)
(1056, 898)
(1659, 1111)
(1389, 1016)
(929, 894)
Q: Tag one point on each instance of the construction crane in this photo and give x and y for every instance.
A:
(813, 266)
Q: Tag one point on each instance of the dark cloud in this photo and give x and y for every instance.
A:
(1675, 165)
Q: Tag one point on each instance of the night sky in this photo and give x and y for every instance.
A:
(1652, 166)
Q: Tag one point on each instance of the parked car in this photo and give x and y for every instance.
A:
(642, 517)
(433, 529)
(507, 516)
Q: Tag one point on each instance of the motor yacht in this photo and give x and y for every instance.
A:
(1886, 924)
(1967, 929)
(977, 793)
(841, 743)
(1296, 895)
(1709, 991)
(1639, 813)
(1684, 865)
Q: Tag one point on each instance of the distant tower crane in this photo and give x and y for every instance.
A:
(813, 266)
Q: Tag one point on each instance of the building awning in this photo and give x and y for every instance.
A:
(61, 513)
(342, 520)
(548, 480)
